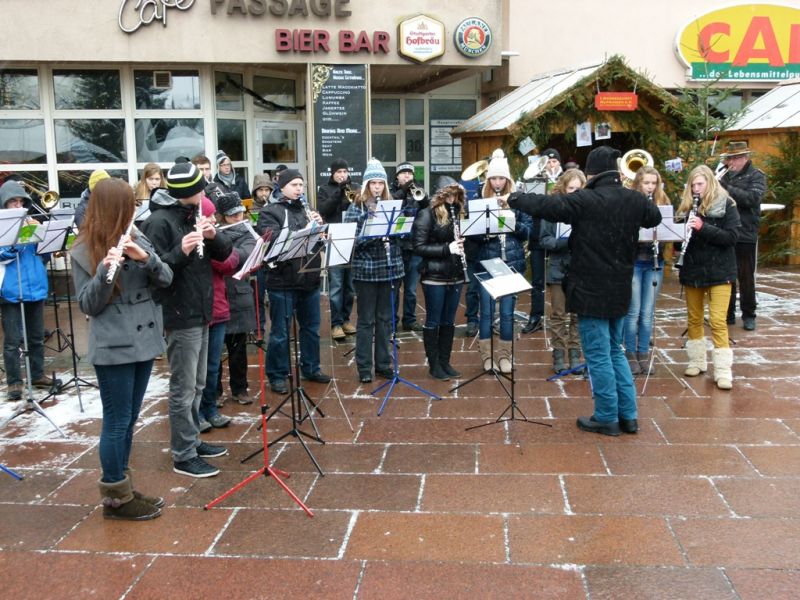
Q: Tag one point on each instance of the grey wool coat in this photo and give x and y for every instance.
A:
(129, 327)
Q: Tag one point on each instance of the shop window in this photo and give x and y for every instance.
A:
(228, 91)
(167, 90)
(415, 112)
(386, 111)
(87, 90)
(279, 145)
(19, 89)
(451, 109)
(71, 183)
(231, 138)
(163, 140)
(22, 141)
(384, 147)
(415, 145)
(37, 179)
(90, 140)
(275, 93)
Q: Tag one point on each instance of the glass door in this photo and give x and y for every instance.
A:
(280, 142)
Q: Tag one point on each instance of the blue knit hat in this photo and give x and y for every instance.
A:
(374, 170)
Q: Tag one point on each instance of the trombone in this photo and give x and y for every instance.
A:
(47, 200)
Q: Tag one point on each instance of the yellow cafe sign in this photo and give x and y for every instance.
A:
(746, 42)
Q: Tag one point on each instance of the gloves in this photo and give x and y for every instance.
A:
(455, 248)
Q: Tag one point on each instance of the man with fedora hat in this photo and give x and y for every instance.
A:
(746, 185)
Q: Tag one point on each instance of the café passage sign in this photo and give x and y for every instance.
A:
(748, 42)
(340, 100)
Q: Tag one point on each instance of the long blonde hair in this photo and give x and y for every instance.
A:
(566, 178)
(658, 195)
(440, 208)
(141, 192)
(712, 190)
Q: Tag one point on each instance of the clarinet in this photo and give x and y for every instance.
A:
(685, 244)
(112, 270)
(457, 236)
(502, 235)
(655, 246)
(199, 229)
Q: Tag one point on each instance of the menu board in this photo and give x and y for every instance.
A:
(340, 97)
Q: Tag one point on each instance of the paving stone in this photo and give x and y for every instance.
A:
(540, 458)
(756, 584)
(493, 494)
(428, 431)
(430, 458)
(781, 461)
(333, 458)
(675, 460)
(37, 527)
(761, 497)
(726, 431)
(366, 492)
(671, 583)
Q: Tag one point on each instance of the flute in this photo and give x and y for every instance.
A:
(685, 244)
(112, 270)
(199, 228)
(457, 236)
(499, 192)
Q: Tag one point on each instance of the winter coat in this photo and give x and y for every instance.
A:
(80, 210)
(710, 257)
(240, 293)
(432, 241)
(126, 327)
(239, 186)
(220, 269)
(483, 247)
(410, 207)
(605, 219)
(332, 201)
(286, 275)
(557, 252)
(370, 262)
(747, 188)
(33, 272)
(188, 301)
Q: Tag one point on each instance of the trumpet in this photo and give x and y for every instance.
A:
(720, 171)
(349, 193)
(416, 192)
(457, 236)
(685, 244)
(112, 270)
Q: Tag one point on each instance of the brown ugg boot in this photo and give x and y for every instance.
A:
(156, 501)
(120, 503)
(504, 356)
(485, 347)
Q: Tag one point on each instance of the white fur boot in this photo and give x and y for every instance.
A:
(696, 350)
(723, 361)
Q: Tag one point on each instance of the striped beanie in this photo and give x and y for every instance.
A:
(184, 180)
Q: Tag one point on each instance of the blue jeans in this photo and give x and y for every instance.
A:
(187, 352)
(411, 264)
(282, 305)
(341, 293)
(473, 298)
(122, 389)
(441, 304)
(506, 316)
(537, 281)
(639, 319)
(12, 338)
(612, 382)
(216, 337)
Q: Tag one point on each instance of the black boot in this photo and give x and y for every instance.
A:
(534, 324)
(430, 338)
(446, 334)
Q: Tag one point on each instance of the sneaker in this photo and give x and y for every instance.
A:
(219, 421)
(205, 426)
(14, 392)
(534, 324)
(279, 386)
(45, 383)
(208, 451)
(338, 333)
(195, 467)
(749, 323)
(318, 377)
(349, 329)
(412, 326)
(365, 378)
(243, 398)
(385, 373)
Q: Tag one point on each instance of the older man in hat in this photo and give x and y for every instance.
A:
(746, 185)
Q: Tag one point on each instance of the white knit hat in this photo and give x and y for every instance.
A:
(374, 170)
(498, 166)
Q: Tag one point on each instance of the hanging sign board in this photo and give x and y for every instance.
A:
(616, 101)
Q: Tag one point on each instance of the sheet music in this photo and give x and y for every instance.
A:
(341, 241)
(142, 212)
(497, 221)
(505, 285)
(54, 235)
(667, 231)
(11, 221)
(253, 261)
(563, 230)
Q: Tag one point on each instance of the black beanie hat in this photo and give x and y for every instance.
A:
(287, 176)
(552, 153)
(184, 180)
(602, 159)
(339, 163)
(229, 204)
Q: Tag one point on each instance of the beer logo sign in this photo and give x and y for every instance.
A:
(473, 37)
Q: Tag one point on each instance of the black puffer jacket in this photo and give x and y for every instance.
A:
(747, 188)
(431, 241)
(188, 301)
(605, 219)
(286, 275)
(710, 257)
(332, 201)
(240, 293)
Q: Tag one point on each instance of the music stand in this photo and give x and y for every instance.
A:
(14, 232)
(500, 281)
(389, 221)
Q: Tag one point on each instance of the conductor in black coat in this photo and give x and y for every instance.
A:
(605, 219)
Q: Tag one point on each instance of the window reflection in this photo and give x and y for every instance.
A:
(386, 112)
(162, 140)
(22, 141)
(94, 90)
(231, 138)
(228, 90)
(90, 140)
(279, 145)
(168, 90)
(278, 94)
(19, 89)
(71, 183)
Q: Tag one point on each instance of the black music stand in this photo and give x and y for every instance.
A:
(500, 281)
(387, 222)
(14, 230)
